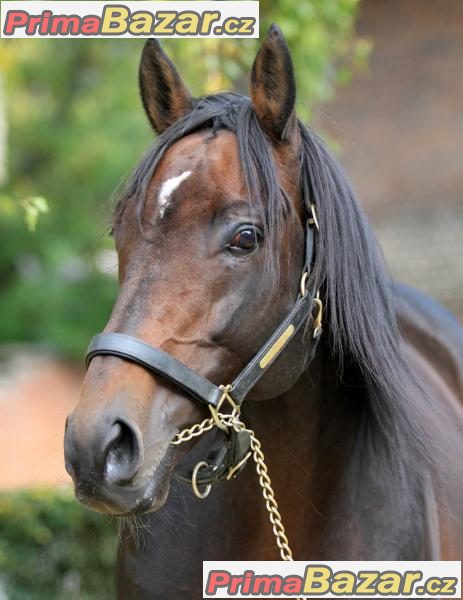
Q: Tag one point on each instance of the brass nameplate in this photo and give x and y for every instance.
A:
(277, 346)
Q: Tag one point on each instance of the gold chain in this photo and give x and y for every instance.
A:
(269, 497)
(233, 420)
(218, 419)
(224, 421)
(196, 430)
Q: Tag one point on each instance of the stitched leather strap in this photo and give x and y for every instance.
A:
(155, 360)
(267, 355)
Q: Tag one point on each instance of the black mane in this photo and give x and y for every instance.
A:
(357, 290)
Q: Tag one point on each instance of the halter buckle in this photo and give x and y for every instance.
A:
(313, 219)
(303, 284)
(318, 317)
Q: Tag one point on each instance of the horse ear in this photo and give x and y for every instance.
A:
(164, 95)
(273, 86)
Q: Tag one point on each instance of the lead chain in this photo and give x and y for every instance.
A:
(196, 430)
(270, 501)
(269, 497)
(264, 479)
(233, 420)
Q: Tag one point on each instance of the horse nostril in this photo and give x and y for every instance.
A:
(123, 454)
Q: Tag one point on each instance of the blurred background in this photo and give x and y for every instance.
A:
(381, 80)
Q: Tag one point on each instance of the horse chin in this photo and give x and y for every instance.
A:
(130, 503)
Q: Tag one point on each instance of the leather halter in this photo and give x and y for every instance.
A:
(228, 451)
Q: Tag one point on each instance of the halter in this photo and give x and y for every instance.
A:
(230, 450)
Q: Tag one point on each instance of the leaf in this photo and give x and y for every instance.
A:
(33, 208)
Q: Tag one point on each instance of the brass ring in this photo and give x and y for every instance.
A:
(194, 484)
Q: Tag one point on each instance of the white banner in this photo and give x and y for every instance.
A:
(180, 19)
(300, 579)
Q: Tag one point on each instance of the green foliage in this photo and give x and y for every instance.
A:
(32, 208)
(52, 548)
(76, 129)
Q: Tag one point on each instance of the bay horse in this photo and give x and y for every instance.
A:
(238, 237)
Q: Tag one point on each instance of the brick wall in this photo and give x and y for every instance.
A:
(400, 130)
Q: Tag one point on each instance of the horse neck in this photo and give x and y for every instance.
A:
(306, 435)
(324, 470)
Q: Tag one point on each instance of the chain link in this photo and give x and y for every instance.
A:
(270, 501)
(218, 419)
(233, 420)
(265, 482)
(229, 420)
(269, 497)
(189, 433)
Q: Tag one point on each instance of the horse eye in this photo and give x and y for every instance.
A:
(245, 240)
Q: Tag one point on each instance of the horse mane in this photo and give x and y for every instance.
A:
(357, 290)
(359, 293)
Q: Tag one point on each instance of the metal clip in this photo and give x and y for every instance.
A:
(238, 467)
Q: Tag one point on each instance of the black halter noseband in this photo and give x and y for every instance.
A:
(228, 450)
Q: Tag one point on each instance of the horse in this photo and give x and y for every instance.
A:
(256, 312)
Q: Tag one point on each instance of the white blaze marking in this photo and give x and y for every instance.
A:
(168, 188)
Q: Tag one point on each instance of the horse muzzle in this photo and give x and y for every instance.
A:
(106, 463)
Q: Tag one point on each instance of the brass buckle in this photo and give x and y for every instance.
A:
(313, 220)
(318, 303)
(194, 483)
(303, 288)
(318, 318)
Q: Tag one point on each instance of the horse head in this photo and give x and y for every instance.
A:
(210, 240)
